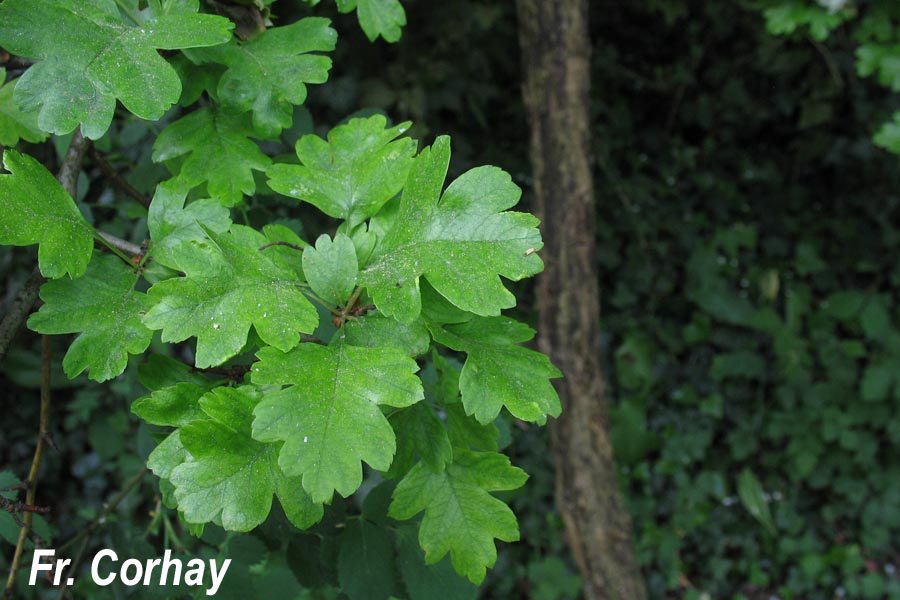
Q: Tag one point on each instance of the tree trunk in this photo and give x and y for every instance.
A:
(553, 35)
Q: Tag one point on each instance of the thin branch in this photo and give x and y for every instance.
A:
(18, 310)
(71, 166)
(123, 245)
(31, 482)
(280, 243)
(117, 179)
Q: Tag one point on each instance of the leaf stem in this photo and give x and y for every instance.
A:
(117, 179)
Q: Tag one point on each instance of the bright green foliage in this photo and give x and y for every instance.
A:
(173, 224)
(229, 285)
(90, 58)
(35, 209)
(331, 420)
(355, 337)
(461, 517)
(268, 74)
(498, 372)
(376, 17)
(460, 241)
(786, 16)
(14, 124)
(331, 268)
(218, 152)
(353, 174)
(231, 478)
(105, 308)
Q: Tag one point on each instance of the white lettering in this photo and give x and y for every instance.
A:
(37, 565)
(95, 575)
(217, 576)
(138, 571)
(167, 562)
(194, 573)
(150, 565)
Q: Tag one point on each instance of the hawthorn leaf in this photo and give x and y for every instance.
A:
(365, 563)
(14, 124)
(461, 517)
(35, 209)
(465, 431)
(89, 58)
(217, 152)
(162, 371)
(500, 373)
(329, 417)
(331, 268)
(461, 244)
(353, 174)
(167, 455)
(381, 17)
(421, 434)
(171, 223)
(267, 75)
(232, 477)
(374, 330)
(173, 406)
(105, 309)
(229, 285)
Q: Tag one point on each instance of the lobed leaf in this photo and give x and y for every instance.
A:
(105, 309)
(229, 285)
(461, 241)
(90, 58)
(329, 416)
(461, 517)
(35, 209)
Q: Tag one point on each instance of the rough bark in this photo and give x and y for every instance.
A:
(553, 35)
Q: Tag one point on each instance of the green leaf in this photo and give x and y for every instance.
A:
(461, 517)
(89, 59)
(331, 420)
(105, 308)
(374, 330)
(500, 373)
(218, 152)
(268, 74)
(381, 17)
(14, 124)
(365, 563)
(420, 435)
(171, 224)
(172, 406)
(231, 477)
(353, 174)
(888, 136)
(460, 244)
(466, 432)
(230, 285)
(169, 454)
(752, 497)
(429, 582)
(331, 268)
(35, 209)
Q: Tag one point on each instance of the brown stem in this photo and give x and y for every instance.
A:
(280, 243)
(31, 482)
(117, 179)
(123, 245)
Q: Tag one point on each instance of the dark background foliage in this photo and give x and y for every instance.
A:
(747, 243)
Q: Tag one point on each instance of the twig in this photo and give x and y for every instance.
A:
(100, 519)
(123, 245)
(280, 243)
(31, 482)
(18, 310)
(117, 179)
(71, 166)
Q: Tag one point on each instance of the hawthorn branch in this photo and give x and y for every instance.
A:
(123, 245)
(31, 482)
(27, 296)
(117, 179)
